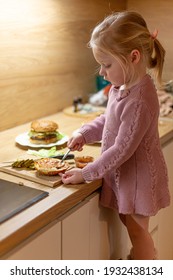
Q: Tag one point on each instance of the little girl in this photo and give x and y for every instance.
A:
(131, 163)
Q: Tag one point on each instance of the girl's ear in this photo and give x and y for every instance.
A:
(135, 56)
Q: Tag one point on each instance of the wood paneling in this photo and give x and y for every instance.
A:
(44, 59)
(159, 15)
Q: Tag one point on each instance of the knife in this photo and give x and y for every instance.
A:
(70, 156)
(66, 154)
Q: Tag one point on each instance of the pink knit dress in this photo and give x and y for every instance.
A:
(131, 163)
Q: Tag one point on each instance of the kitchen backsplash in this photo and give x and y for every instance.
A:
(44, 58)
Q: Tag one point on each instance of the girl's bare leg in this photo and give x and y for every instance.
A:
(137, 227)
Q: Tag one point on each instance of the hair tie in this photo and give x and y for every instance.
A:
(154, 34)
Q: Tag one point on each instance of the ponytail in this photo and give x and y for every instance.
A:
(157, 61)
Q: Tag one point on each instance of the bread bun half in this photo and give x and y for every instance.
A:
(44, 126)
(50, 166)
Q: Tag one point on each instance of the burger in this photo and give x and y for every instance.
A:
(50, 166)
(44, 132)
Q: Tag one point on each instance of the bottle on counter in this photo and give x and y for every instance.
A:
(77, 104)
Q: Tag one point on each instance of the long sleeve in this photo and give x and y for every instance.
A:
(92, 131)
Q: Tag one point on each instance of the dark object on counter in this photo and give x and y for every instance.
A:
(77, 103)
(70, 156)
(16, 197)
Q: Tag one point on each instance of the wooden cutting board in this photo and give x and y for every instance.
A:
(33, 175)
(70, 112)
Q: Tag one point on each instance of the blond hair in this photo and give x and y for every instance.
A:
(122, 32)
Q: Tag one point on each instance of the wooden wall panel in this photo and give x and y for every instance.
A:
(44, 59)
(159, 14)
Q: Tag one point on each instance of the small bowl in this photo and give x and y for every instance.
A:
(81, 162)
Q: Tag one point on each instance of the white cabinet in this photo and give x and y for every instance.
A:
(85, 232)
(45, 245)
(98, 231)
(75, 234)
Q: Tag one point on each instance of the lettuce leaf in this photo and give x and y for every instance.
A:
(44, 153)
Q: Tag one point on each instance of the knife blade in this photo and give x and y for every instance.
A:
(70, 156)
(65, 155)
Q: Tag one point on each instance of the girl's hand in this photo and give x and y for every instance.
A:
(73, 176)
(76, 142)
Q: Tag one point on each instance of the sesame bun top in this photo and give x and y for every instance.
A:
(44, 126)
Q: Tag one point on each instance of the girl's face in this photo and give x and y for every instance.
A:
(110, 68)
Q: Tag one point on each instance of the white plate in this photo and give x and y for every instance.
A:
(23, 139)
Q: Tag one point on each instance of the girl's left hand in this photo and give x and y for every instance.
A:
(73, 176)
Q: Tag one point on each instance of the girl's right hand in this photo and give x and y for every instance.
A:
(76, 142)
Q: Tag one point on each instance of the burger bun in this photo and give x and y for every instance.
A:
(44, 126)
(50, 166)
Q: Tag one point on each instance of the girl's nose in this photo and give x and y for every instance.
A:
(101, 72)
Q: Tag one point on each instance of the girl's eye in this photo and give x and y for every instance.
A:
(107, 66)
